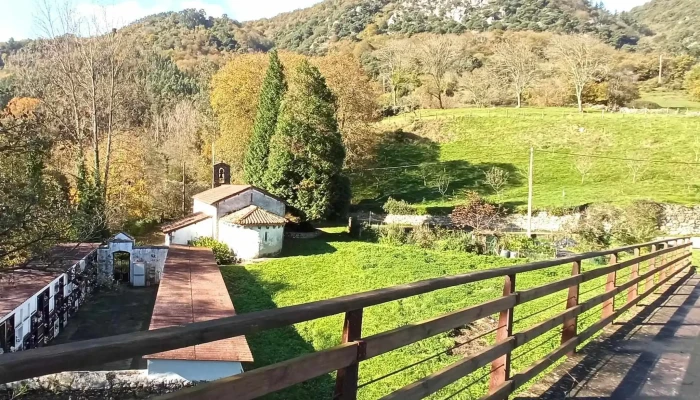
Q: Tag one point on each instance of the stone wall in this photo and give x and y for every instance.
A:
(541, 221)
(116, 385)
(680, 220)
(676, 220)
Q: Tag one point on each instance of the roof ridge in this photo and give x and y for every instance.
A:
(253, 208)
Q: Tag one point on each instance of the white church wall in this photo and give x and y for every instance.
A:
(191, 232)
(245, 243)
(268, 203)
(235, 203)
(271, 243)
(200, 206)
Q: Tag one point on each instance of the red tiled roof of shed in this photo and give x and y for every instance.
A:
(193, 290)
(19, 285)
(253, 215)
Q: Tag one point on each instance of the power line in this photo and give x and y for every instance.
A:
(428, 163)
(618, 158)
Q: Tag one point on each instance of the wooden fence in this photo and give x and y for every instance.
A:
(667, 258)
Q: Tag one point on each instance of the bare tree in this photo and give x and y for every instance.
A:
(516, 62)
(584, 165)
(637, 167)
(497, 178)
(396, 63)
(581, 59)
(442, 182)
(481, 85)
(437, 59)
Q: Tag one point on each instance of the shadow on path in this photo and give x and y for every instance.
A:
(641, 355)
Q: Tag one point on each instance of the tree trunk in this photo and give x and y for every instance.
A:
(579, 95)
(519, 100)
(108, 151)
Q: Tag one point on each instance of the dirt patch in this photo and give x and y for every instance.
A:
(473, 337)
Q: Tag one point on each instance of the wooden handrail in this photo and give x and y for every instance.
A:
(346, 356)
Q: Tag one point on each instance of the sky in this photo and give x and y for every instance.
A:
(17, 17)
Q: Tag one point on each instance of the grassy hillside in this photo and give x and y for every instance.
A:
(673, 22)
(334, 265)
(671, 99)
(464, 143)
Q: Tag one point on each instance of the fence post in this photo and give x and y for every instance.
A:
(346, 379)
(633, 290)
(652, 264)
(609, 304)
(664, 258)
(500, 367)
(570, 325)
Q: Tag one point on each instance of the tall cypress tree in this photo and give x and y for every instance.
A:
(273, 88)
(306, 152)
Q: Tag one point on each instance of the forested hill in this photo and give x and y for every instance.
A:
(310, 30)
(674, 24)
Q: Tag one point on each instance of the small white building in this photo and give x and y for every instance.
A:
(249, 219)
(121, 260)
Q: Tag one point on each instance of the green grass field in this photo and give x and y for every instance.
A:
(671, 99)
(464, 143)
(334, 265)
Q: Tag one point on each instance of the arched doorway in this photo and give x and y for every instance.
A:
(122, 264)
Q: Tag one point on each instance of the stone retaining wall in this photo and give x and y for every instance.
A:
(680, 220)
(676, 220)
(89, 385)
(303, 235)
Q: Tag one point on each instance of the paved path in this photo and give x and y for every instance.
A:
(656, 355)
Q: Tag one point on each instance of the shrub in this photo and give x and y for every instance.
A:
(456, 241)
(392, 235)
(422, 236)
(595, 227)
(399, 207)
(222, 253)
(638, 222)
(644, 104)
(477, 214)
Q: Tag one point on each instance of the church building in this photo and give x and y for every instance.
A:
(247, 218)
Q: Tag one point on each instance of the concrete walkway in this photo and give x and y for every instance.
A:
(655, 355)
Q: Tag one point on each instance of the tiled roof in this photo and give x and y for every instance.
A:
(253, 215)
(184, 221)
(19, 285)
(193, 290)
(223, 192)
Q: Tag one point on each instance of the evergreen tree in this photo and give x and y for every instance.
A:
(273, 88)
(306, 152)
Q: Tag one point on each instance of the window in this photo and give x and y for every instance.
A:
(266, 236)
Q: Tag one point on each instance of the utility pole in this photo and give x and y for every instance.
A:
(184, 198)
(212, 163)
(529, 193)
(661, 68)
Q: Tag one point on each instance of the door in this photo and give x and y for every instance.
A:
(122, 263)
(139, 274)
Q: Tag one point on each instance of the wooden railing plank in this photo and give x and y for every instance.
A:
(386, 341)
(452, 373)
(77, 355)
(265, 380)
(525, 376)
